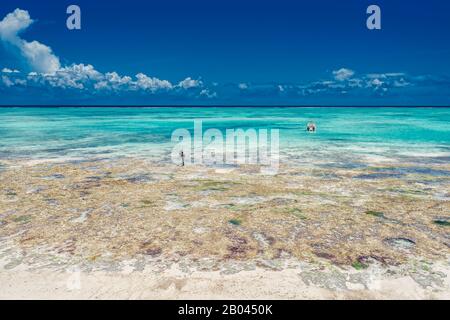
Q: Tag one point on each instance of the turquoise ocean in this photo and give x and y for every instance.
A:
(345, 137)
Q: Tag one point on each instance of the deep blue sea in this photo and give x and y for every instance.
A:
(345, 136)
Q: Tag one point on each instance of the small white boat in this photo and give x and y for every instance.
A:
(311, 127)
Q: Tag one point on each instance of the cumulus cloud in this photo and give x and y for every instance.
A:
(345, 81)
(10, 81)
(343, 74)
(47, 71)
(86, 77)
(190, 83)
(375, 82)
(14, 23)
(84, 80)
(208, 94)
(7, 70)
(39, 56)
(152, 84)
(7, 82)
(113, 81)
(75, 76)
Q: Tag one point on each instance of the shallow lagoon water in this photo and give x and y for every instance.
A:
(345, 136)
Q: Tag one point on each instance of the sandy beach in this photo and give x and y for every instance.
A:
(136, 229)
(225, 150)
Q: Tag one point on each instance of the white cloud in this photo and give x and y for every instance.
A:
(208, 94)
(343, 74)
(14, 23)
(81, 76)
(385, 75)
(401, 83)
(75, 76)
(113, 81)
(101, 85)
(9, 82)
(152, 84)
(21, 81)
(376, 82)
(355, 83)
(190, 83)
(39, 56)
(7, 70)
(6, 81)
(243, 86)
(395, 74)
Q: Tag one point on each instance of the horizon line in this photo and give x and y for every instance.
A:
(221, 106)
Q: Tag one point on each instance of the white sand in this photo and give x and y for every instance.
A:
(172, 284)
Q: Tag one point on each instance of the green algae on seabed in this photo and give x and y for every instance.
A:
(305, 193)
(212, 185)
(266, 206)
(297, 212)
(230, 206)
(407, 191)
(235, 222)
(375, 213)
(442, 222)
(22, 219)
(359, 265)
(147, 204)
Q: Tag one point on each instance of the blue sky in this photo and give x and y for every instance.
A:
(284, 52)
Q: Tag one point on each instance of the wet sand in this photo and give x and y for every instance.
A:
(130, 228)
